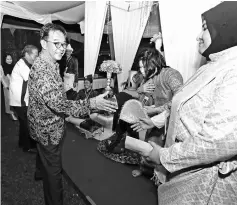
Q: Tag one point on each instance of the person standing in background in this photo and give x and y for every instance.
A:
(71, 64)
(7, 70)
(88, 91)
(19, 96)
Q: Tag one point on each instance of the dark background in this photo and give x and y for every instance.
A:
(14, 42)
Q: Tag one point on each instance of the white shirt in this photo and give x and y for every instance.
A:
(17, 87)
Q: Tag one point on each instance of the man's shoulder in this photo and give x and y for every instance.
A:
(20, 62)
(39, 69)
(40, 62)
(20, 65)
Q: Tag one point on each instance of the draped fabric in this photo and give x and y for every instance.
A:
(180, 28)
(1, 18)
(128, 28)
(95, 13)
(12, 10)
(39, 18)
(2, 15)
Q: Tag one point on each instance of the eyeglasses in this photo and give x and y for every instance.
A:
(58, 44)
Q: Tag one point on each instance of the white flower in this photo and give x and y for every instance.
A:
(110, 66)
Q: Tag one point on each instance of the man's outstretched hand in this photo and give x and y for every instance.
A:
(103, 104)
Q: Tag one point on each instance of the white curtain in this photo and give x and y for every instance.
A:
(181, 23)
(128, 23)
(95, 12)
(2, 15)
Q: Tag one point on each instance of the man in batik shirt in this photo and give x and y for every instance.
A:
(48, 107)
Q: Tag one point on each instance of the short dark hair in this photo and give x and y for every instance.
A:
(44, 32)
(152, 59)
(28, 49)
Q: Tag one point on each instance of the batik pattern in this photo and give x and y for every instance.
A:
(48, 105)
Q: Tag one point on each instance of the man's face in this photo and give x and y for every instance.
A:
(68, 53)
(87, 85)
(56, 45)
(33, 56)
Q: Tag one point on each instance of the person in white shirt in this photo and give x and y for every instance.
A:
(19, 96)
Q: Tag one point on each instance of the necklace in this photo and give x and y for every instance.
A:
(87, 94)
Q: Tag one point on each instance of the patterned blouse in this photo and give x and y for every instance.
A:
(168, 82)
(201, 144)
(48, 104)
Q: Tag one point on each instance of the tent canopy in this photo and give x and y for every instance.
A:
(70, 12)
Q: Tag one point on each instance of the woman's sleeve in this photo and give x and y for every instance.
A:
(217, 141)
(174, 80)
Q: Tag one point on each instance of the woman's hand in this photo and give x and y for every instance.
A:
(150, 109)
(154, 154)
(143, 124)
(103, 104)
(147, 87)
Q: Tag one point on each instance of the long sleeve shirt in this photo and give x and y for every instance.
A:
(48, 104)
(201, 142)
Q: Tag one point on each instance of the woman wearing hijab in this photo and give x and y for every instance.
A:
(200, 154)
(7, 71)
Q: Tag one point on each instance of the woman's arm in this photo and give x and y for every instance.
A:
(217, 141)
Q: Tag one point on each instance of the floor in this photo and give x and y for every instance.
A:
(17, 171)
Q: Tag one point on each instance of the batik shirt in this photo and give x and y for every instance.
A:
(48, 104)
(201, 152)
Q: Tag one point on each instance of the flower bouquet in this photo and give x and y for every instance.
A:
(110, 66)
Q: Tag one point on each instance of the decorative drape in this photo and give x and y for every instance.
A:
(39, 18)
(95, 12)
(181, 23)
(128, 23)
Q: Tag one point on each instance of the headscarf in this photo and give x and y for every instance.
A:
(7, 68)
(222, 24)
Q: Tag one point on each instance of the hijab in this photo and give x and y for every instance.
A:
(222, 24)
(7, 68)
